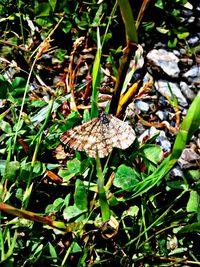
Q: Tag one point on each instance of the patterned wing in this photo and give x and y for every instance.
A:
(100, 134)
(88, 137)
(120, 133)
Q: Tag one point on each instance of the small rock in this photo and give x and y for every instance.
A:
(164, 143)
(193, 41)
(160, 115)
(188, 159)
(176, 172)
(193, 75)
(189, 155)
(161, 140)
(191, 19)
(186, 61)
(176, 53)
(143, 106)
(188, 93)
(166, 61)
(182, 51)
(163, 87)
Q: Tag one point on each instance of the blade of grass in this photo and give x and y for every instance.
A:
(129, 22)
(96, 77)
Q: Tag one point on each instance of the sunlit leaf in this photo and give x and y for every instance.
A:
(125, 177)
(80, 195)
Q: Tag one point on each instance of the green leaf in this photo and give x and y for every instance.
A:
(162, 30)
(172, 43)
(127, 15)
(152, 152)
(5, 127)
(125, 177)
(193, 203)
(38, 169)
(80, 195)
(42, 10)
(71, 212)
(76, 248)
(183, 35)
(52, 251)
(18, 86)
(67, 27)
(12, 170)
(132, 211)
(53, 4)
(73, 168)
(4, 87)
(194, 227)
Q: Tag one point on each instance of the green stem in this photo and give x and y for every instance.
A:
(105, 211)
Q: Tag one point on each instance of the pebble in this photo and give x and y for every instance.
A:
(188, 159)
(160, 115)
(193, 40)
(163, 88)
(164, 142)
(188, 93)
(143, 106)
(161, 140)
(193, 74)
(176, 172)
(165, 60)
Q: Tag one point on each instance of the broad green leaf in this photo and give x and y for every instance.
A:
(5, 127)
(42, 10)
(76, 248)
(162, 30)
(68, 26)
(97, 19)
(52, 251)
(18, 86)
(58, 204)
(12, 170)
(152, 152)
(53, 4)
(193, 203)
(37, 170)
(183, 35)
(71, 212)
(132, 211)
(125, 177)
(80, 195)
(73, 168)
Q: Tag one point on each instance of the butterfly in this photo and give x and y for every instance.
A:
(100, 135)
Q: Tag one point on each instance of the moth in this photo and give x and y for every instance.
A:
(100, 135)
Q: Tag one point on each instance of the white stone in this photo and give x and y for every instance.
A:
(165, 60)
(164, 88)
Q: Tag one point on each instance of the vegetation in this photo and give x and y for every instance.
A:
(60, 207)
